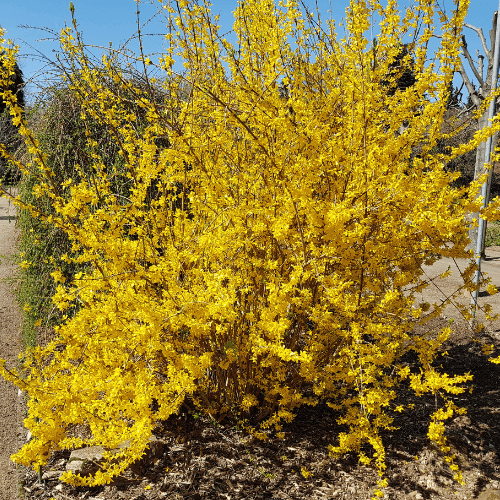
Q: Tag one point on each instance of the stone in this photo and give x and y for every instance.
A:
(52, 474)
(431, 485)
(155, 447)
(85, 461)
(489, 495)
(415, 495)
(90, 453)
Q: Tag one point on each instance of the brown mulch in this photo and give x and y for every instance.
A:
(199, 459)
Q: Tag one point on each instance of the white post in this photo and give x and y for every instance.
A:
(485, 186)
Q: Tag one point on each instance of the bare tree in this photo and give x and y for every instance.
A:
(484, 61)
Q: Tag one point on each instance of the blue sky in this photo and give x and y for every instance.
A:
(105, 21)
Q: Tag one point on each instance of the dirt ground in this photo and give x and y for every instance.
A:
(195, 458)
(10, 345)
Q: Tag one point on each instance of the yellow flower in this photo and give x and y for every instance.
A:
(305, 473)
(258, 242)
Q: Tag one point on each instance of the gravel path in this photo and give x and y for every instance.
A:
(10, 346)
(443, 288)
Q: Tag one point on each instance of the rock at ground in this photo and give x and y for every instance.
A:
(85, 461)
(489, 495)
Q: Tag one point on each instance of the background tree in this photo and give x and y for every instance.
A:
(460, 116)
(401, 71)
(483, 71)
(8, 131)
(55, 119)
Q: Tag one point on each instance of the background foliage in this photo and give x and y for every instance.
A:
(8, 133)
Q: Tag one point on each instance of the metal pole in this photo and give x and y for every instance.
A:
(487, 154)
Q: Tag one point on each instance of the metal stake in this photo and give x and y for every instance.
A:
(487, 155)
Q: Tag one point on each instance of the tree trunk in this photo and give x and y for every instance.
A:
(486, 84)
(478, 171)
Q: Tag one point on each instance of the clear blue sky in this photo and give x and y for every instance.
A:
(104, 21)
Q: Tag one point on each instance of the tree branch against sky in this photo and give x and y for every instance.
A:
(481, 69)
(105, 21)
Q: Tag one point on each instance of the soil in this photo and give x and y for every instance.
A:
(196, 458)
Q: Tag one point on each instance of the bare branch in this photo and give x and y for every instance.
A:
(481, 62)
(471, 62)
(480, 33)
(465, 111)
(493, 30)
(472, 91)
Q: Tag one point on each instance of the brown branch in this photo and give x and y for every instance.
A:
(493, 31)
(480, 62)
(471, 63)
(472, 91)
(480, 33)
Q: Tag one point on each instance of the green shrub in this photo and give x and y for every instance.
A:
(492, 234)
(64, 138)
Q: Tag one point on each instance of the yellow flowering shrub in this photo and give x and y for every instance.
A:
(271, 255)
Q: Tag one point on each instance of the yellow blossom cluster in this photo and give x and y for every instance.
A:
(271, 255)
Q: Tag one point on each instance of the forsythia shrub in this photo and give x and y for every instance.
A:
(267, 257)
